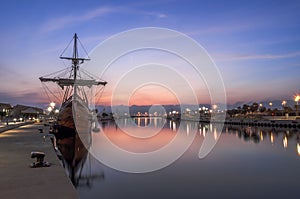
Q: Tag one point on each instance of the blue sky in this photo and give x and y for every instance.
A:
(255, 44)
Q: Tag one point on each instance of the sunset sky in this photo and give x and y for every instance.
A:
(255, 44)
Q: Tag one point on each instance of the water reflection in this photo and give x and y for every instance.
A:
(257, 135)
(77, 160)
(244, 156)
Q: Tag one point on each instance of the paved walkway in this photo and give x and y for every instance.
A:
(17, 179)
(12, 125)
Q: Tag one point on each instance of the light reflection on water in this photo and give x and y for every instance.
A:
(247, 162)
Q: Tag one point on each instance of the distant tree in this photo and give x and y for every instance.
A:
(245, 109)
(232, 112)
(276, 112)
(254, 107)
(287, 109)
(262, 109)
(239, 110)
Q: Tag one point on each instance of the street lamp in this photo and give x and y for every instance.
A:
(283, 106)
(297, 98)
(214, 107)
(270, 104)
(283, 103)
(49, 109)
(52, 104)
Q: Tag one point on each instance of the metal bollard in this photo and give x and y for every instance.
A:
(39, 160)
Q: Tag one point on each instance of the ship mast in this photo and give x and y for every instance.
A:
(73, 81)
(75, 56)
(75, 59)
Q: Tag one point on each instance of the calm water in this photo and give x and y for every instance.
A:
(245, 163)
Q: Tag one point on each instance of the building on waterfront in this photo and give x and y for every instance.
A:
(25, 112)
(5, 110)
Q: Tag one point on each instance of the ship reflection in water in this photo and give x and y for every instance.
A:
(77, 161)
(247, 162)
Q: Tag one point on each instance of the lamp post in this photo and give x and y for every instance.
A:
(52, 104)
(271, 104)
(283, 106)
(297, 98)
(215, 107)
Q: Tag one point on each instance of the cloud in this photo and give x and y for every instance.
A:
(63, 21)
(29, 98)
(58, 23)
(154, 14)
(220, 29)
(162, 16)
(256, 56)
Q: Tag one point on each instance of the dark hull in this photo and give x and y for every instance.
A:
(74, 118)
(74, 155)
(73, 136)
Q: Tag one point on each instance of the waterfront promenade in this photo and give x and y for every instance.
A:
(18, 180)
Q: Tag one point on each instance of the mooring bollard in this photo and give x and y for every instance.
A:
(39, 160)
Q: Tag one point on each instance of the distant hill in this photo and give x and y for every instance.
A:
(142, 109)
(169, 108)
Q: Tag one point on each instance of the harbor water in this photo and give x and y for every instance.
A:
(246, 162)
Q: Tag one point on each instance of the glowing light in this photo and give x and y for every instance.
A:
(285, 142)
(283, 103)
(187, 129)
(215, 134)
(297, 98)
(174, 126)
(139, 121)
(49, 109)
(261, 136)
(52, 104)
(272, 138)
(298, 149)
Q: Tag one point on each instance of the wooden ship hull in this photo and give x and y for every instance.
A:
(73, 154)
(74, 118)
